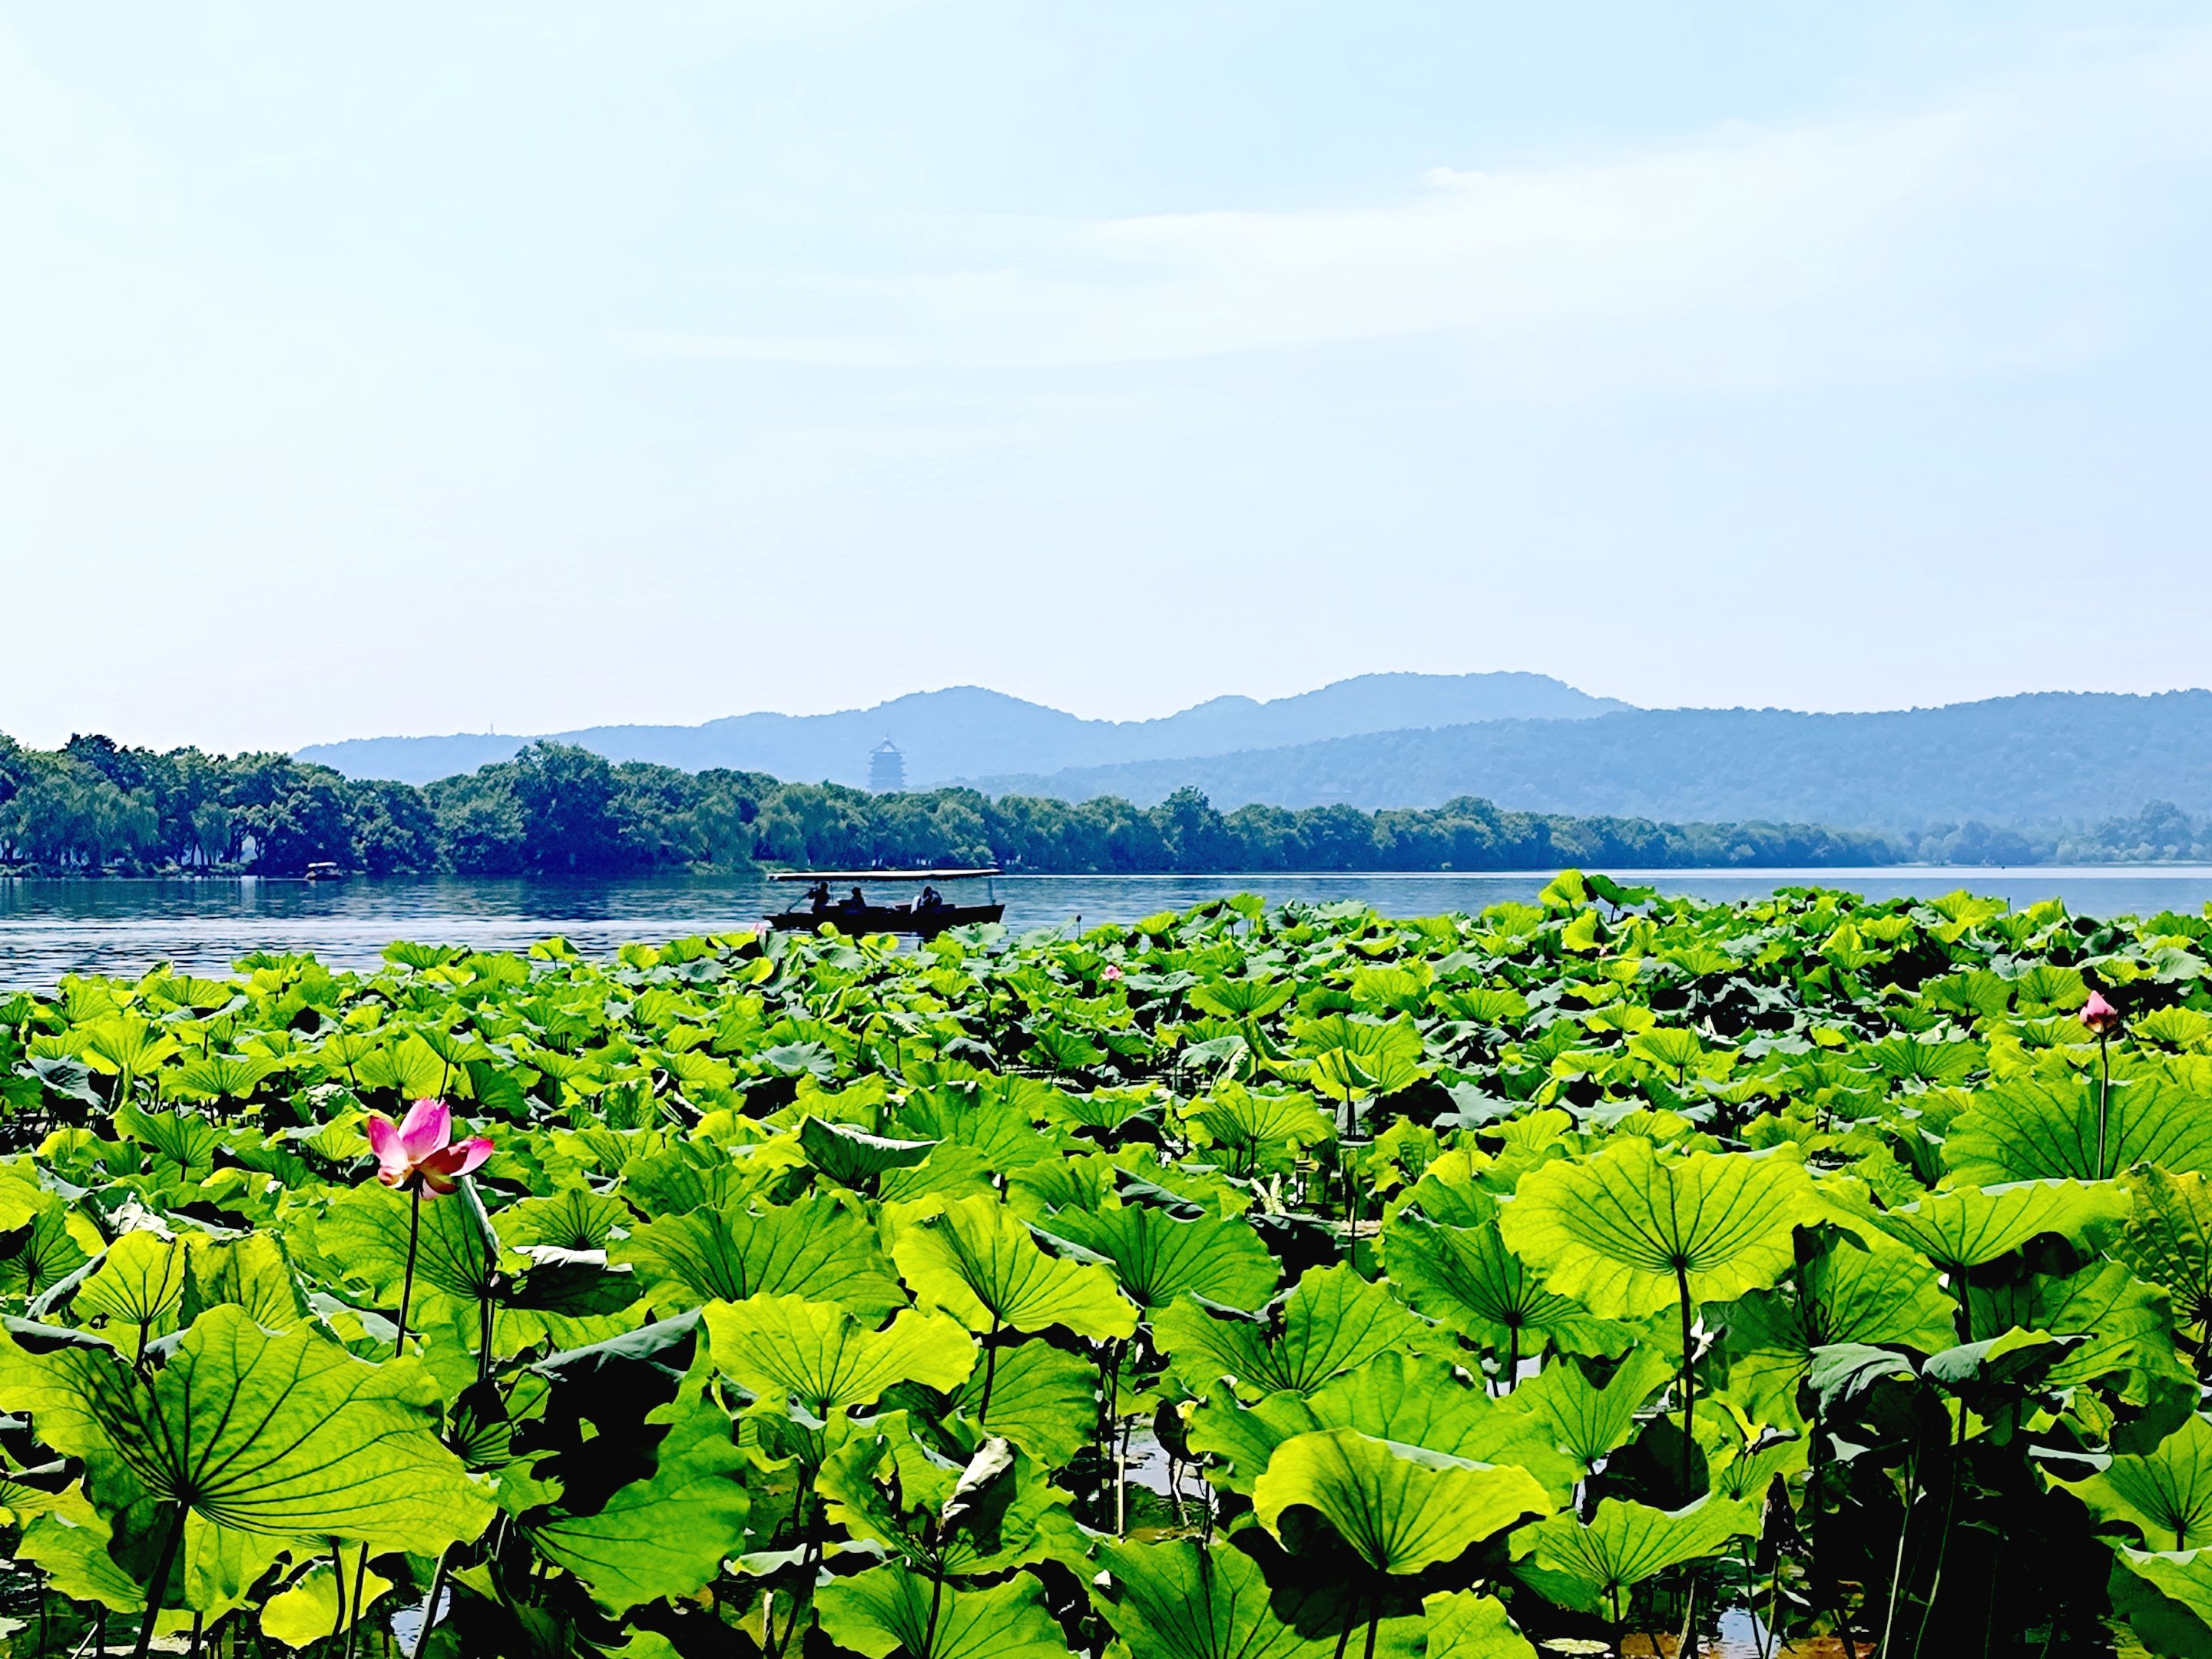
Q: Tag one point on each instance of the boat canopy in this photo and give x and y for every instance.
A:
(881, 875)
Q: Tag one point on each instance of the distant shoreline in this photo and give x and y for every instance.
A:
(1820, 874)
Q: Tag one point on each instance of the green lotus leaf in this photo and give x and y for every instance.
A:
(1668, 1048)
(2036, 1128)
(1466, 1277)
(218, 1076)
(1244, 1439)
(575, 1218)
(249, 1272)
(1253, 1125)
(1967, 1227)
(664, 1535)
(1421, 1400)
(952, 1171)
(139, 1283)
(314, 1605)
(1465, 1625)
(286, 1436)
(786, 1347)
(69, 1544)
(994, 1116)
(410, 1068)
(816, 1247)
(977, 1260)
(1876, 1292)
(1241, 999)
(2167, 1241)
(2014, 1359)
(20, 1500)
(1400, 1508)
(2165, 1494)
(180, 1145)
(2127, 1325)
(1746, 1471)
(1042, 1399)
(1331, 1320)
(1841, 1371)
(2184, 1576)
(126, 1048)
(853, 1158)
(1179, 1601)
(363, 1234)
(1158, 1259)
(1584, 1421)
(1627, 1234)
(993, 1512)
(892, 1609)
(1588, 1567)
(37, 1249)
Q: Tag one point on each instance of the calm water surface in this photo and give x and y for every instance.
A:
(49, 928)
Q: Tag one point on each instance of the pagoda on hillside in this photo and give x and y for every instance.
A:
(887, 768)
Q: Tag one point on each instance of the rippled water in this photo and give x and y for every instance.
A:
(52, 928)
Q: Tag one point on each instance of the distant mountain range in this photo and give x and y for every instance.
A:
(965, 731)
(2047, 758)
(1525, 741)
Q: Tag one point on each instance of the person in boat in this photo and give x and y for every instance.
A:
(853, 900)
(818, 897)
(931, 899)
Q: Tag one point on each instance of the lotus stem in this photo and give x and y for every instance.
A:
(2104, 1099)
(337, 1573)
(407, 1280)
(1121, 1480)
(1689, 1376)
(991, 1370)
(163, 1563)
(360, 1581)
(936, 1594)
(1897, 1567)
(430, 1604)
(1943, 1537)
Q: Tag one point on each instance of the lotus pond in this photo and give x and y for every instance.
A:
(1609, 1269)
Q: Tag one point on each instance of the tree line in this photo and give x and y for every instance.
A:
(96, 805)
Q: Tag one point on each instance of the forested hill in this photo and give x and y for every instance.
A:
(560, 810)
(2051, 758)
(555, 809)
(966, 729)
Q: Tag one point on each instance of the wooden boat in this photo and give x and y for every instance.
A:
(927, 915)
(323, 869)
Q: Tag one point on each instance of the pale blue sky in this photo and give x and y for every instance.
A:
(540, 365)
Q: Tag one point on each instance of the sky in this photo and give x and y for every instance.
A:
(431, 369)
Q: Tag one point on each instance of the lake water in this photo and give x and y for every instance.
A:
(52, 928)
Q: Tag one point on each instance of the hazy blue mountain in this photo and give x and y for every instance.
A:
(2047, 758)
(965, 730)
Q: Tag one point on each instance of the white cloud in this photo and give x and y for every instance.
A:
(1917, 244)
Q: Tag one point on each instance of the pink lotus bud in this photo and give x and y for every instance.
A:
(1112, 971)
(2099, 1016)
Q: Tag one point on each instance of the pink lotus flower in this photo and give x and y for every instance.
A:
(420, 1148)
(1113, 970)
(2099, 1016)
